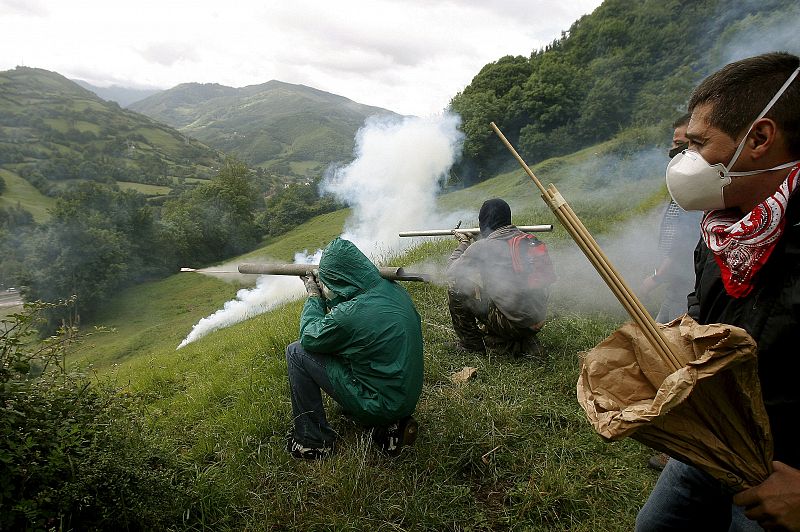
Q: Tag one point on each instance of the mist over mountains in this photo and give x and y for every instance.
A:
(124, 96)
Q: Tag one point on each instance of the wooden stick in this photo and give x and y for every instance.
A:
(618, 285)
(638, 314)
(592, 250)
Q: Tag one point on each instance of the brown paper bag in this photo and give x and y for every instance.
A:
(709, 413)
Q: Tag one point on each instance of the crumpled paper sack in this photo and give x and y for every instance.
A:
(708, 413)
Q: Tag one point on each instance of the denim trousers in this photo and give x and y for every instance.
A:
(307, 379)
(686, 498)
(674, 304)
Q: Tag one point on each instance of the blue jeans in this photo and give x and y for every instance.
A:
(674, 303)
(307, 379)
(686, 498)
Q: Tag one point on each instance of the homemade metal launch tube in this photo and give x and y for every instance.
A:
(592, 250)
(387, 272)
(473, 231)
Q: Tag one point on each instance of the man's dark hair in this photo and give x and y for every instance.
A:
(682, 120)
(740, 90)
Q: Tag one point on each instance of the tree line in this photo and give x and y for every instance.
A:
(100, 238)
(626, 64)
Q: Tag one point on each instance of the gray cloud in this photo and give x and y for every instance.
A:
(169, 53)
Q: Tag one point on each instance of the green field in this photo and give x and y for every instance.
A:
(510, 450)
(147, 190)
(19, 191)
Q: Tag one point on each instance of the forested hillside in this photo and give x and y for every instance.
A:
(53, 132)
(627, 63)
(289, 130)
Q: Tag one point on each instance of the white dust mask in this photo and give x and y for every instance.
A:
(696, 185)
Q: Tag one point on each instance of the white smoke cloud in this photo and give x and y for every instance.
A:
(391, 186)
(393, 182)
(633, 250)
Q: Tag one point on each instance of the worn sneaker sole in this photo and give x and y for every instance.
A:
(408, 435)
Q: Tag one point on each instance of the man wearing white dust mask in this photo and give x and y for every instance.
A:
(741, 168)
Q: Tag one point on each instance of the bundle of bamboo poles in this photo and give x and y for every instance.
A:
(592, 250)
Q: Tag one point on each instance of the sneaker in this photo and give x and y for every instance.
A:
(298, 450)
(533, 348)
(658, 461)
(393, 438)
(461, 347)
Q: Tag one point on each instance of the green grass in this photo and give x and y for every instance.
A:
(304, 167)
(510, 450)
(310, 236)
(19, 191)
(147, 190)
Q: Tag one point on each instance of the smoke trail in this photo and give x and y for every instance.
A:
(391, 186)
(268, 293)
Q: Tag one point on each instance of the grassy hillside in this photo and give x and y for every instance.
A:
(18, 190)
(53, 131)
(509, 450)
(289, 130)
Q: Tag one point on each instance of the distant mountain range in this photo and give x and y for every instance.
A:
(54, 131)
(124, 96)
(289, 130)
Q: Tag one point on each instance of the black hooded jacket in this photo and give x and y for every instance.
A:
(771, 315)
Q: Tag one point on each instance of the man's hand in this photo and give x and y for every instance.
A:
(311, 285)
(464, 237)
(648, 285)
(775, 503)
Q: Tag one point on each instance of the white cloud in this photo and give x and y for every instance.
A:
(410, 56)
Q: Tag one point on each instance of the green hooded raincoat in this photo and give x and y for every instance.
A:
(373, 332)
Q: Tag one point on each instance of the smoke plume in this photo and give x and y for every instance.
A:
(390, 186)
(393, 182)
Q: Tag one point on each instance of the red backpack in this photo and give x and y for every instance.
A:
(529, 257)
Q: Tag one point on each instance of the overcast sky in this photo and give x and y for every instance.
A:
(410, 56)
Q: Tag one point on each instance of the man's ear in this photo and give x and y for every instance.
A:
(762, 137)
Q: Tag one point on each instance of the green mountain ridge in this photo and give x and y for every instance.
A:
(53, 132)
(290, 130)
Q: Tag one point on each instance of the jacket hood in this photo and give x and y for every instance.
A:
(345, 270)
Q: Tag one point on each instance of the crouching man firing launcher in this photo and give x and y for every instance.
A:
(498, 286)
(360, 342)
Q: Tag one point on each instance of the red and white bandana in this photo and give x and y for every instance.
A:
(741, 246)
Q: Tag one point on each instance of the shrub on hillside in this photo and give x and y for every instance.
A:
(74, 455)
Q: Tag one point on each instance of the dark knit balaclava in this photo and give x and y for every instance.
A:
(495, 213)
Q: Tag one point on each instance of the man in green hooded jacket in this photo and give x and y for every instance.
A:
(360, 342)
